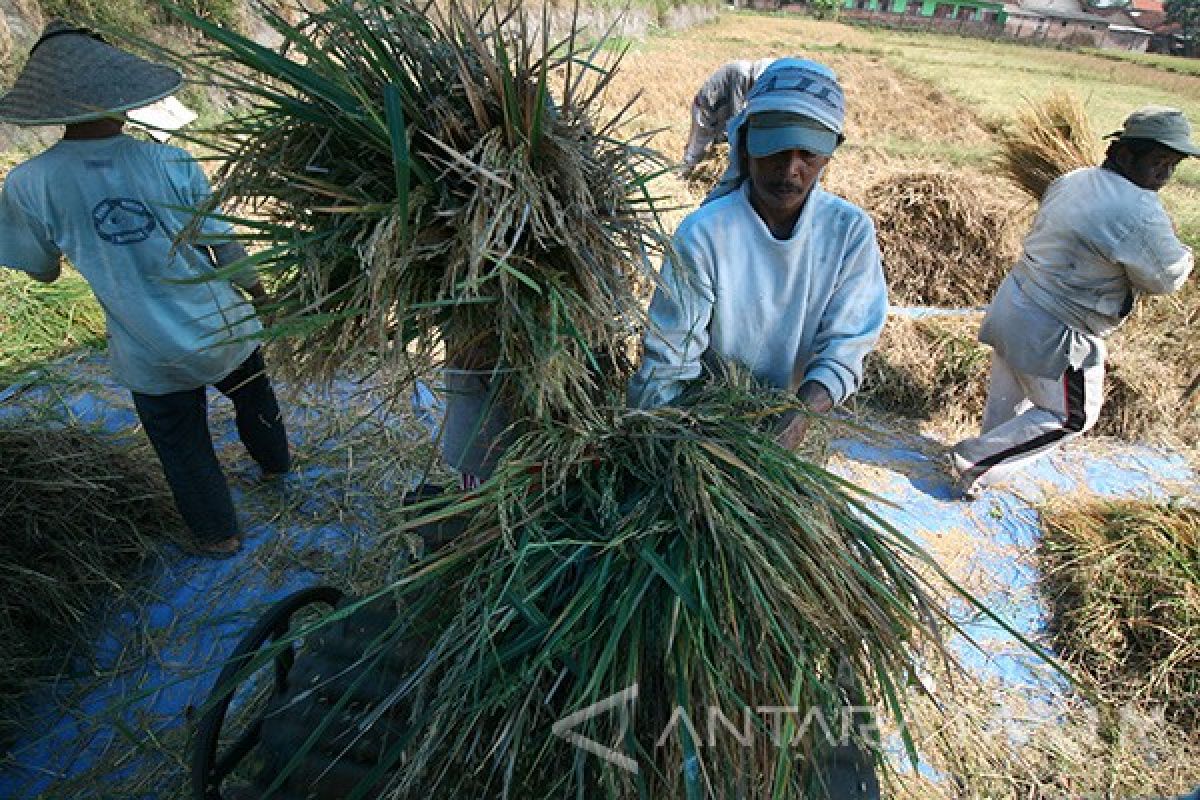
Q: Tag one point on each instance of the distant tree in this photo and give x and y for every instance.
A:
(1186, 13)
(828, 9)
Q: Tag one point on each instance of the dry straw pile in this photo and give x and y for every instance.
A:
(80, 513)
(705, 175)
(931, 369)
(1123, 582)
(1153, 383)
(989, 742)
(948, 238)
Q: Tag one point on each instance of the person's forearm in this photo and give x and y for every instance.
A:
(815, 396)
(230, 253)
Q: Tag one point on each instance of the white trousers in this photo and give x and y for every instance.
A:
(1027, 417)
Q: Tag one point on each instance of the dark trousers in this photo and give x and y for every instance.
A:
(177, 424)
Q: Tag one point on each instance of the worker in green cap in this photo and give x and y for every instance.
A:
(1101, 238)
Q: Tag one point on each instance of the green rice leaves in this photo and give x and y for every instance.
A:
(442, 186)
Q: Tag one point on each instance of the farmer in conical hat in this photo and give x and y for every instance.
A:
(772, 271)
(721, 98)
(116, 207)
(1101, 238)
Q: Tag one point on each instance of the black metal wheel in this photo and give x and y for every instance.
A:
(210, 768)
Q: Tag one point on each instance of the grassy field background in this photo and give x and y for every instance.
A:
(922, 99)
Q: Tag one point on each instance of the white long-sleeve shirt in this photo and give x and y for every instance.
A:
(1097, 243)
(808, 308)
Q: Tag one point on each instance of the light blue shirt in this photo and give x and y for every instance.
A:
(115, 207)
(807, 308)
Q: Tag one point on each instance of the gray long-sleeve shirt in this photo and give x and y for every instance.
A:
(1098, 241)
(719, 100)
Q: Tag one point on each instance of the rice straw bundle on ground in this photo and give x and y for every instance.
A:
(1123, 582)
(421, 194)
(704, 176)
(79, 514)
(1048, 139)
(1153, 386)
(947, 238)
(931, 368)
(995, 742)
(41, 321)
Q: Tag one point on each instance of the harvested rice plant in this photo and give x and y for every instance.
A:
(948, 238)
(1124, 590)
(81, 516)
(503, 223)
(422, 192)
(931, 369)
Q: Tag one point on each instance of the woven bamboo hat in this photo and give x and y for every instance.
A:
(73, 75)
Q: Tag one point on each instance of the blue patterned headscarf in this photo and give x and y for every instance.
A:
(794, 85)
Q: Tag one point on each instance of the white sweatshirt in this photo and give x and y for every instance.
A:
(808, 308)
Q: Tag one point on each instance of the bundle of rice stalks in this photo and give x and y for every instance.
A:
(931, 368)
(947, 239)
(991, 742)
(1047, 140)
(705, 175)
(79, 514)
(40, 321)
(728, 602)
(1153, 385)
(1123, 582)
(422, 194)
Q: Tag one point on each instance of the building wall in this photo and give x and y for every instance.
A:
(1092, 33)
(1125, 40)
(972, 10)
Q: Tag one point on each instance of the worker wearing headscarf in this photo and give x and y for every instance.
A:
(720, 99)
(772, 272)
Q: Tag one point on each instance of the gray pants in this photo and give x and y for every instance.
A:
(1027, 417)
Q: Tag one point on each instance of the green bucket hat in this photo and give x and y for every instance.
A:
(1167, 126)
